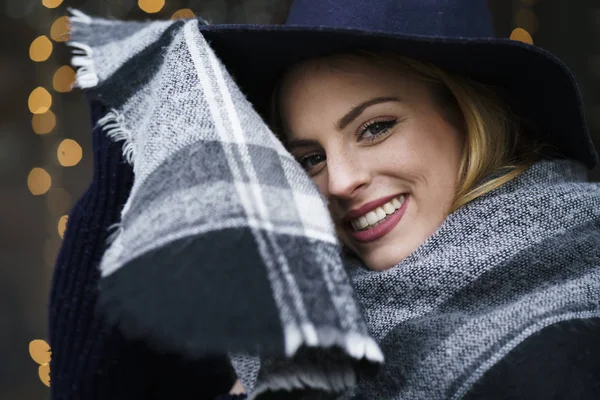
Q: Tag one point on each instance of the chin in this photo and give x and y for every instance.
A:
(380, 258)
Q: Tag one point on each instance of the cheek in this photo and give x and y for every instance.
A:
(426, 154)
(404, 155)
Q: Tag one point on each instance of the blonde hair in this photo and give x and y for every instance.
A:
(495, 149)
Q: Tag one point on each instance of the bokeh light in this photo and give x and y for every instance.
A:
(62, 225)
(151, 6)
(521, 35)
(43, 123)
(39, 181)
(40, 49)
(52, 3)
(63, 79)
(44, 373)
(59, 31)
(69, 153)
(39, 350)
(184, 13)
(39, 101)
(58, 201)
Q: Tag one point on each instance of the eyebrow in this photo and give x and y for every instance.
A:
(294, 143)
(356, 111)
(344, 121)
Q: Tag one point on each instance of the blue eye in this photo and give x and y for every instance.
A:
(375, 129)
(310, 161)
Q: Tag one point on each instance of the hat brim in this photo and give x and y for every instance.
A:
(537, 82)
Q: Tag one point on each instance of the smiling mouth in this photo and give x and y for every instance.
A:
(378, 225)
(379, 215)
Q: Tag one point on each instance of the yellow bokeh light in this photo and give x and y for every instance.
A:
(62, 225)
(527, 20)
(69, 153)
(40, 49)
(39, 351)
(40, 101)
(151, 6)
(184, 13)
(39, 181)
(63, 79)
(44, 373)
(59, 31)
(58, 201)
(41, 354)
(43, 123)
(521, 35)
(52, 3)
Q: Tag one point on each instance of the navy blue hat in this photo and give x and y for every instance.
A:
(456, 35)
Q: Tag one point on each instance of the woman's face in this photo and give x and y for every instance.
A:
(380, 150)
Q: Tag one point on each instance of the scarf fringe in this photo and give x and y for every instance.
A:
(86, 76)
(114, 231)
(357, 346)
(313, 376)
(363, 347)
(307, 378)
(113, 125)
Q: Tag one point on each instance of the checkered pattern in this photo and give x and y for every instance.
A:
(210, 174)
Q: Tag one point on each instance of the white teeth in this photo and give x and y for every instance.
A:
(388, 208)
(371, 217)
(362, 222)
(377, 215)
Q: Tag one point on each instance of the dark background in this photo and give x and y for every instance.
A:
(30, 216)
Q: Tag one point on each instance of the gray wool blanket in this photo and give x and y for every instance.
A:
(225, 244)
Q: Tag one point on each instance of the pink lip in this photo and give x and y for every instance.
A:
(382, 229)
(365, 208)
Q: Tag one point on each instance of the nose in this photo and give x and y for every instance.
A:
(346, 176)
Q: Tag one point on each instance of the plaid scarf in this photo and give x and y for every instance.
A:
(226, 245)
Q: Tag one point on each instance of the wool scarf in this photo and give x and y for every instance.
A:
(226, 246)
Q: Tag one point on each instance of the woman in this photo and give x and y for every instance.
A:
(396, 145)
(416, 128)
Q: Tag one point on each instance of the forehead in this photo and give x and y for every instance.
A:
(328, 87)
(340, 71)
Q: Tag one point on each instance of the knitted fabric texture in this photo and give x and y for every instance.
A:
(501, 268)
(220, 210)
